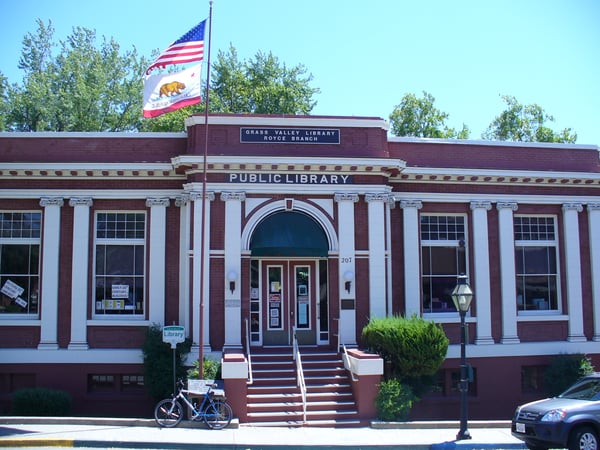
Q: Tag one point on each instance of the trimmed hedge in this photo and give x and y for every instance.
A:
(41, 402)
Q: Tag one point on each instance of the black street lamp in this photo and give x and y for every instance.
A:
(462, 296)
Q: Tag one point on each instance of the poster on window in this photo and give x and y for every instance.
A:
(120, 291)
(12, 289)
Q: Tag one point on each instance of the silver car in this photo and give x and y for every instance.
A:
(571, 420)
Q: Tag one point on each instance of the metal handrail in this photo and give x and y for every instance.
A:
(250, 379)
(347, 363)
(300, 375)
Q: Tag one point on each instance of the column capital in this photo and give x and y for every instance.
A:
(345, 197)
(593, 206)
(405, 204)
(157, 201)
(377, 197)
(239, 196)
(197, 195)
(481, 204)
(182, 200)
(507, 205)
(81, 201)
(572, 207)
(51, 201)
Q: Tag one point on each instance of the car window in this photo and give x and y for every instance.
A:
(585, 390)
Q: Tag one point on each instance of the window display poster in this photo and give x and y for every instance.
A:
(12, 289)
(120, 291)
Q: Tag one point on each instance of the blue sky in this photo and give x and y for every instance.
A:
(365, 55)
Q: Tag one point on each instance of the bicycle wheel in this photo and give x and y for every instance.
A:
(168, 412)
(217, 414)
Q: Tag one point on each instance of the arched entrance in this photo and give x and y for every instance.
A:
(289, 280)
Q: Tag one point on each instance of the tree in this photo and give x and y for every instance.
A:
(3, 101)
(83, 88)
(525, 123)
(418, 117)
(261, 85)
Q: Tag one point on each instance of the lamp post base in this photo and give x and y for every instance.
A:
(463, 435)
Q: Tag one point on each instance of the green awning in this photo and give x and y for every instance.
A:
(289, 234)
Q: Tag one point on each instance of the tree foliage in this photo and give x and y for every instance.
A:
(84, 87)
(419, 117)
(260, 85)
(525, 123)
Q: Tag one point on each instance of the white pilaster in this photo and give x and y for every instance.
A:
(412, 257)
(508, 276)
(183, 202)
(377, 260)
(49, 275)
(200, 298)
(157, 256)
(481, 278)
(594, 227)
(347, 269)
(573, 271)
(233, 266)
(79, 272)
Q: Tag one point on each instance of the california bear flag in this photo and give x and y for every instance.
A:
(166, 93)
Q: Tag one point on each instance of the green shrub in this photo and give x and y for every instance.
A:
(158, 362)
(564, 370)
(211, 369)
(414, 348)
(41, 402)
(394, 401)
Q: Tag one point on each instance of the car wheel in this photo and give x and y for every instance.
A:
(584, 438)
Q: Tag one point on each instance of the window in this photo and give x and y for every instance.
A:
(443, 258)
(536, 263)
(20, 262)
(446, 382)
(532, 379)
(120, 263)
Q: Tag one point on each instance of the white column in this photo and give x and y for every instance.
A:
(201, 299)
(183, 202)
(594, 237)
(508, 276)
(412, 257)
(481, 278)
(377, 261)
(347, 269)
(49, 275)
(157, 256)
(233, 266)
(573, 271)
(79, 272)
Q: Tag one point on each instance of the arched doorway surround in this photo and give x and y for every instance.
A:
(289, 249)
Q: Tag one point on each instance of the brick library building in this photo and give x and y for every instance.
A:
(256, 232)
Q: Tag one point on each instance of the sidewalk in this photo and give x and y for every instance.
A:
(18, 432)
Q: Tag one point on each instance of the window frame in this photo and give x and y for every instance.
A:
(34, 239)
(455, 244)
(121, 241)
(521, 244)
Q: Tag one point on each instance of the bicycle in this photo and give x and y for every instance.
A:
(213, 410)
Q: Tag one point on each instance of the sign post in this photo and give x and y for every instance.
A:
(174, 334)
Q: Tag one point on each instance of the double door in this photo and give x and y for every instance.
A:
(285, 299)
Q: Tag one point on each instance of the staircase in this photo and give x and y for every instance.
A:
(274, 399)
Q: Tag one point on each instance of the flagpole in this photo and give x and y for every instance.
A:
(204, 173)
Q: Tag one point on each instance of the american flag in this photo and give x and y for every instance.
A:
(188, 48)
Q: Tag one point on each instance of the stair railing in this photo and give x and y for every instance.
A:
(347, 363)
(250, 380)
(300, 375)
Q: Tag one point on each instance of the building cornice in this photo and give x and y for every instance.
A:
(290, 121)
